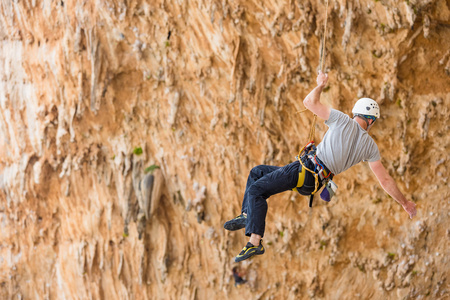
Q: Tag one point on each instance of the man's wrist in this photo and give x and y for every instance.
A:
(319, 88)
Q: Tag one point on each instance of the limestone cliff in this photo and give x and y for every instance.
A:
(128, 128)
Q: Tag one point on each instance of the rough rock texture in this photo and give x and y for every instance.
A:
(93, 93)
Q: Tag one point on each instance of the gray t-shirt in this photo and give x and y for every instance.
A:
(345, 144)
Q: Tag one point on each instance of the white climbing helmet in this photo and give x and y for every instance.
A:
(366, 106)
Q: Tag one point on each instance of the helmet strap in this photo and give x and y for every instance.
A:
(370, 126)
(363, 118)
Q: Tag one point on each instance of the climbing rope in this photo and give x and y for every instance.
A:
(322, 55)
(322, 52)
(312, 131)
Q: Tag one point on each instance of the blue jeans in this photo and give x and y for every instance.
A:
(263, 182)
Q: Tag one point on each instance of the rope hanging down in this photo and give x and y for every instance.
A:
(322, 52)
(312, 131)
(322, 55)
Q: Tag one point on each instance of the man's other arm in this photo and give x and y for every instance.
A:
(312, 101)
(389, 185)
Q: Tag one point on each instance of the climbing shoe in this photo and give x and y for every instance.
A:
(249, 250)
(236, 223)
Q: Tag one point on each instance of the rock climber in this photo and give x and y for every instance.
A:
(345, 144)
(238, 280)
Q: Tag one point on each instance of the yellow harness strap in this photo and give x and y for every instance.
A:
(301, 175)
(301, 179)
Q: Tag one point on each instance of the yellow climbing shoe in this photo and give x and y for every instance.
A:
(250, 250)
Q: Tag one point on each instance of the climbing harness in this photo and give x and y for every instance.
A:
(321, 173)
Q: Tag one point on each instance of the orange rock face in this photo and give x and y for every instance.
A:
(128, 129)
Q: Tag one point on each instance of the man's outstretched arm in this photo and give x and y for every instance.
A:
(312, 101)
(389, 185)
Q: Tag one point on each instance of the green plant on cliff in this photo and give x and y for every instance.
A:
(391, 255)
(137, 150)
(151, 169)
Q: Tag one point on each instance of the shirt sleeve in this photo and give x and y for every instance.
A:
(336, 117)
(375, 154)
